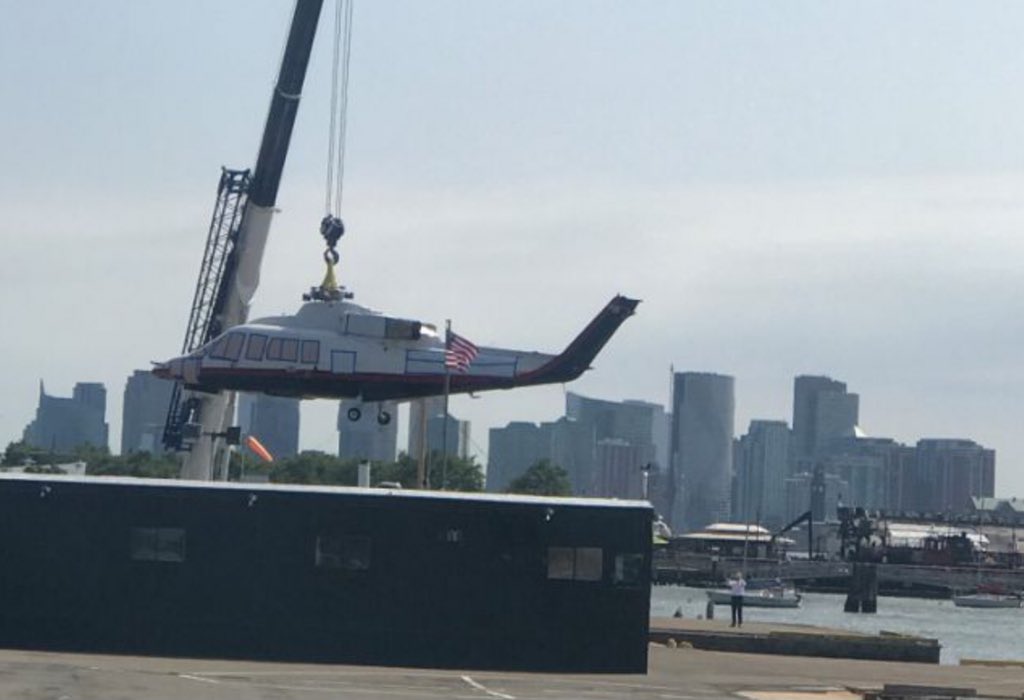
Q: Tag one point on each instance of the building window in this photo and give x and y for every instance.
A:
(158, 544)
(310, 351)
(560, 563)
(629, 569)
(344, 552)
(589, 564)
(255, 350)
(575, 563)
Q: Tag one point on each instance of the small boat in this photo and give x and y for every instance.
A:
(987, 600)
(775, 597)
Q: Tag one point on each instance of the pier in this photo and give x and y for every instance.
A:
(793, 640)
(833, 575)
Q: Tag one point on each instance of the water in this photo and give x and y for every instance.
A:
(965, 633)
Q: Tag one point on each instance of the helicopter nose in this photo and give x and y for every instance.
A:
(172, 369)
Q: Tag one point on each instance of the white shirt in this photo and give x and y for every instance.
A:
(737, 586)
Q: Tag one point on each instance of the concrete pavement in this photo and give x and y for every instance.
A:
(675, 674)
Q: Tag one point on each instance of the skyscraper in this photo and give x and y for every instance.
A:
(948, 473)
(62, 424)
(427, 416)
(703, 413)
(514, 449)
(761, 471)
(274, 420)
(366, 438)
(144, 412)
(627, 437)
(822, 411)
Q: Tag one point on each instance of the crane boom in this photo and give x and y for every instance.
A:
(241, 242)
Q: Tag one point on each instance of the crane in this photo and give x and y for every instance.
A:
(230, 270)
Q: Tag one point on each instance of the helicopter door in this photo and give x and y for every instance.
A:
(343, 362)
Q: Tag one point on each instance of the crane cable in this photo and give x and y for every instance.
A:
(331, 227)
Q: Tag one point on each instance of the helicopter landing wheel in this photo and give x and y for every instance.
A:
(354, 414)
(383, 417)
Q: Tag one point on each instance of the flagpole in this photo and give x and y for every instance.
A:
(447, 392)
(422, 470)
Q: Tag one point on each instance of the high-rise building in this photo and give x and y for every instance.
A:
(62, 424)
(818, 492)
(619, 468)
(144, 412)
(822, 411)
(876, 471)
(762, 465)
(366, 438)
(626, 430)
(427, 416)
(514, 449)
(703, 414)
(274, 420)
(948, 473)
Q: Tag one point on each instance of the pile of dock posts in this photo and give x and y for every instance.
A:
(862, 595)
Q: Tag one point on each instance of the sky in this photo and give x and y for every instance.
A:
(790, 187)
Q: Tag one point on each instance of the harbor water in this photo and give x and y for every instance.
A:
(964, 633)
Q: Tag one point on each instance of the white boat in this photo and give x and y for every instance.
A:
(759, 598)
(987, 600)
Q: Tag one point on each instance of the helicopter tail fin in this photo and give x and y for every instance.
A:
(577, 356)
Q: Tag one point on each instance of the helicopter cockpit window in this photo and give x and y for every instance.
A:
(274, 349)
(235, 343)
(400, 329)
(290, 349)
(256, 344)
(218, 347)
(228, 347)
(310, 351)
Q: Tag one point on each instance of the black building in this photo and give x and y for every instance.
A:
(324, 574)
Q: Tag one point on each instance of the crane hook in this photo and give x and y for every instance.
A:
(332, 229)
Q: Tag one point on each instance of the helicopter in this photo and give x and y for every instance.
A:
(335, 348)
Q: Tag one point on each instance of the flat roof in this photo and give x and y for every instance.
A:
(373, 492)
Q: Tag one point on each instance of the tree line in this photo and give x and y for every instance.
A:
(307, 467)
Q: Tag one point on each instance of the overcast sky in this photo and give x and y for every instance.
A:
(791, 188)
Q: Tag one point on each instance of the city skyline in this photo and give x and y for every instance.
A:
(837, 420)
(812, 189)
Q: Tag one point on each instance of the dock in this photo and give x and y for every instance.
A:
(793, 640)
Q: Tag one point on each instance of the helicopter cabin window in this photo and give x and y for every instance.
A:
(274, 349)
(400, 329)
(310, 351)
(255, 349)
(290, 350)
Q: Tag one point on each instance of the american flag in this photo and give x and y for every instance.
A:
(459, 352)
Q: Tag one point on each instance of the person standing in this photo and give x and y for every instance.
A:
(737, 587)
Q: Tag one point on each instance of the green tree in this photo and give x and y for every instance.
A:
(18, 453)
(137, 464)
(459, 474)
(542, 479)
(314, 467)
